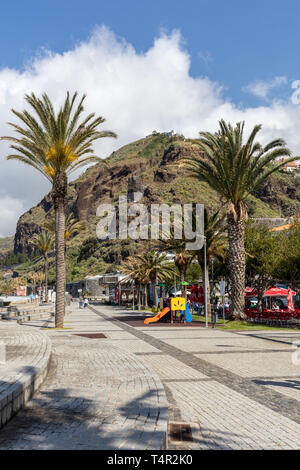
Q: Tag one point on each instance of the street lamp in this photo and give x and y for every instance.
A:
(212, 280)
(205, 283)
(133, 284)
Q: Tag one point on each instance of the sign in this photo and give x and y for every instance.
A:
(222, 288)
(21, 290)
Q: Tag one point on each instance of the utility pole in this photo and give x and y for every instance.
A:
(133, 296)
(205, 284)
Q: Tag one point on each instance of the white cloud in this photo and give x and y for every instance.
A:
(205, 56)
(261, 88)
(8, 209)
(135, 92)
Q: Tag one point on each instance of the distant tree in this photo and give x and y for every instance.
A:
(264, 255)
(43, 242)
(72, 226)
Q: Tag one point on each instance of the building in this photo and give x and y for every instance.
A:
(291, 166)
(101, 285)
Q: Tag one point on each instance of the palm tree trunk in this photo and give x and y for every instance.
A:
(182, 272)
(60, 263)
(237, 265)
(145, 296)
(46, 278)
(138, 295)
(154, 295)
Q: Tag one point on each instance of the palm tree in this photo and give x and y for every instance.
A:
(134, 269)
(56, 144)
(235, 168)
(34, 277)
(9, 286)
(43, 241)
(183, 257)
(72, 226)
(40, 276)
(214, 231)
(156, 267)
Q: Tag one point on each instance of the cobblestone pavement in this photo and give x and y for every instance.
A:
(236, 390)
(25, 358)
(96, 396)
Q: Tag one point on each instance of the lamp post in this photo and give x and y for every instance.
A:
(212, 281)
(205, 284)
(156, 281)
(133, 295)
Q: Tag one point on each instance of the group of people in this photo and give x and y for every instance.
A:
(34, 297)
(83, 302)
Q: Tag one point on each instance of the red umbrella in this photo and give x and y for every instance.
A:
(276, 291)
(290, 299)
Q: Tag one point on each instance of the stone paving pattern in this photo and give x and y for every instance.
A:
(236, 390)
(27, 353)
(96, 396)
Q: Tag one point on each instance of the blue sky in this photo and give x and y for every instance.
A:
(231, 42)
(160, 65)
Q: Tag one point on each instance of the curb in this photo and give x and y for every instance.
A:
(18, 385)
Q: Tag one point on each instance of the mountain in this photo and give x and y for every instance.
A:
(150, 166)
(6, 245)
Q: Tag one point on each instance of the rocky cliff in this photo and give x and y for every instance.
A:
(148, 166)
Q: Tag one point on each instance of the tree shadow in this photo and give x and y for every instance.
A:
(63, 419)
(288, 383)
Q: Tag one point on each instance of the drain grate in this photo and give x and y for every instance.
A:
(180, 432)
(91, 335)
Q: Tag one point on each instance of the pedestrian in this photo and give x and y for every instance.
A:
(80, 302)
(85, 303)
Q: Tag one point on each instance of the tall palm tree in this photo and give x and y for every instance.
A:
(56, 144)
(43, 241)
(235, 168)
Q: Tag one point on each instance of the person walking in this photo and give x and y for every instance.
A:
(80, 302)
(85, 303)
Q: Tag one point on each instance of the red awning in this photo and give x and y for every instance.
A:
(278, 291)
(273, 291)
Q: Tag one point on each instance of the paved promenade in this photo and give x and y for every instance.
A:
(96, 396)
(236, 390)
(224, 389)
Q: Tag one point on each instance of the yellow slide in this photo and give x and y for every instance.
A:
(156, 317)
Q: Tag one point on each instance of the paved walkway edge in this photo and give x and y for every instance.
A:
(19, 386)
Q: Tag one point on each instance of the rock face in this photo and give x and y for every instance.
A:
(149, 166)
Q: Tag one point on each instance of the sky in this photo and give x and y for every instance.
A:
(148, 65)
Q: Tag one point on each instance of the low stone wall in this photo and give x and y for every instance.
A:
(28, 354)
